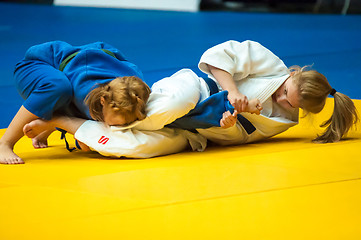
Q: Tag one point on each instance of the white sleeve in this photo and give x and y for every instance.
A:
(171, 98)
(242, 59)
(131, 143)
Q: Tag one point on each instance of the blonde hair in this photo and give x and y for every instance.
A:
(314, 90)
(125, 95)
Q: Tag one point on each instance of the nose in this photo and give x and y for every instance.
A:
(281, 98)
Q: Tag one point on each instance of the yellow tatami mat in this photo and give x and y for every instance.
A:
(282, 188)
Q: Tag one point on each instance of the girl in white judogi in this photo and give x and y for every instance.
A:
(247, 70)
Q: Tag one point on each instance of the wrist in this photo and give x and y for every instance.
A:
(233, 91)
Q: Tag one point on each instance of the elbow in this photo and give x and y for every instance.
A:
(212, 69)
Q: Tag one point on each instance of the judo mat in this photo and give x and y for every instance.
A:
(284, 187)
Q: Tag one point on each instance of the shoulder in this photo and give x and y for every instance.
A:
(236, 46)
(245, 43)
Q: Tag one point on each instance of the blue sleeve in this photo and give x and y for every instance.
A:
(208, 113)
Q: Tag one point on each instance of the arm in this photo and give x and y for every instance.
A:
(114, 142)
(131, 143)
(238, 100)
(69, 124)
(171, 98)
(241, 59)
(228, 119)
(231, 62)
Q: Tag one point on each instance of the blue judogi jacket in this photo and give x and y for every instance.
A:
(208, 113)
(47, 88)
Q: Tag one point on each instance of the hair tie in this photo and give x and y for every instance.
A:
(333, 91)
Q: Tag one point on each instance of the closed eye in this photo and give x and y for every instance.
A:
(285, 92)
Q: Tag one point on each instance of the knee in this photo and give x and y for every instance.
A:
(61, 90)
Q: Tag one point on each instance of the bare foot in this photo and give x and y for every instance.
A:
(41, 140)
(36, 127)
(7, 155)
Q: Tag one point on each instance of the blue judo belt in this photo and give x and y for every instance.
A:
(208, 113)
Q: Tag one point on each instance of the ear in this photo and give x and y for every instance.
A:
(102, 101)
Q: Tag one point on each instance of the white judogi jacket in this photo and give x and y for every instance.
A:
(171, 98)
(258, 73)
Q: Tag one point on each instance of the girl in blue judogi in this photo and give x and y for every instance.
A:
(93, 81)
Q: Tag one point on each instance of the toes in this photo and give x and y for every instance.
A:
(12, 161)
(35, 144)
(39, 144)
(20, 161)
(43, 144)
(17, 161)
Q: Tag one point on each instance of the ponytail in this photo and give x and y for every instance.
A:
(314, 89)
(343, 117)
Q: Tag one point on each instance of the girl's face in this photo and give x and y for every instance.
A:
(112, 118)
(287, 95)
